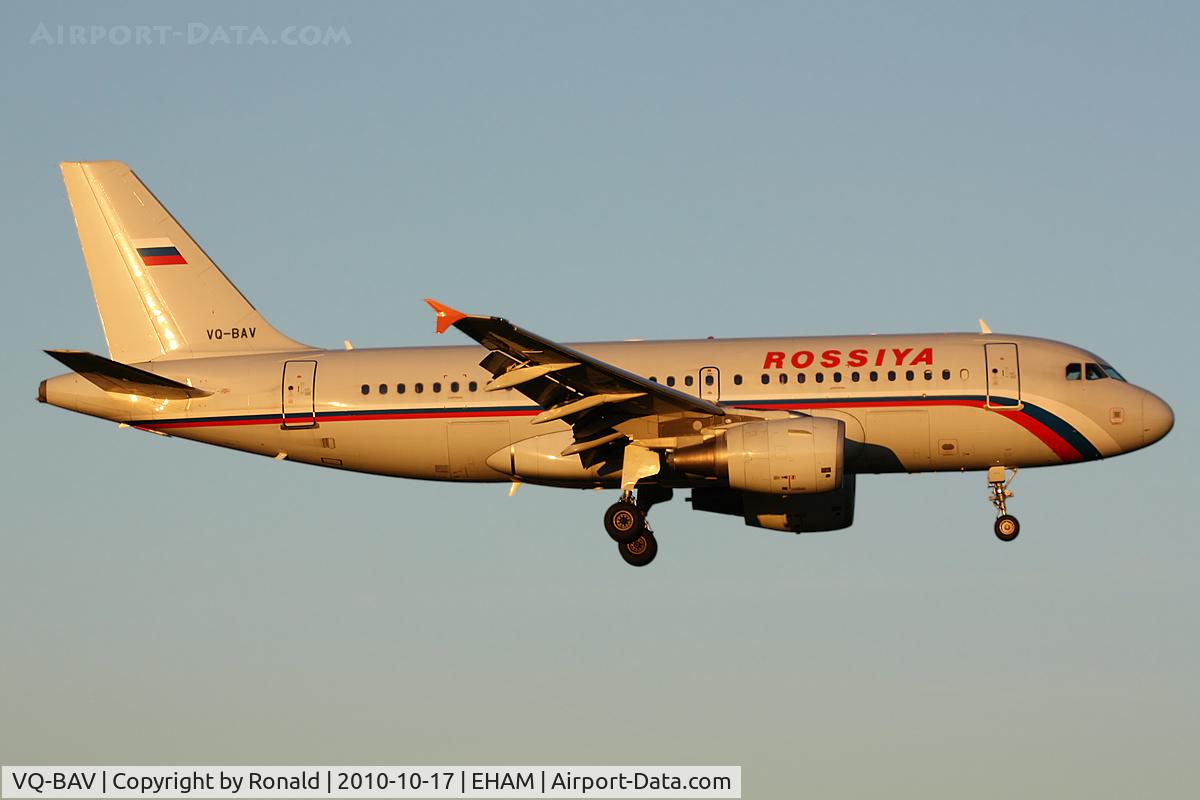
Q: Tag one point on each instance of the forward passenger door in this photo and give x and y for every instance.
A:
(1003, 375)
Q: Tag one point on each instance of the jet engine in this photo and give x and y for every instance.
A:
(801, 455)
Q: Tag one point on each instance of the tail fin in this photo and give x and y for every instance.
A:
(159, 294)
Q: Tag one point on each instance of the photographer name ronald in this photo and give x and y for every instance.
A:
(380, 782)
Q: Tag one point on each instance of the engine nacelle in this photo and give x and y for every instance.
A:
(798, 513)
(802, 455)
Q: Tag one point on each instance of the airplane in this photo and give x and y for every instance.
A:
(772, 430)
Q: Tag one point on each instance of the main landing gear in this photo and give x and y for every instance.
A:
(1006, 526)
(626, 523)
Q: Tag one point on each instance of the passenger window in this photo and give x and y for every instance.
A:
(945, 374)
(819, 377)
(472, 386)
(670, 380)
(928, 374)
(437, 388)
(1094, 373)
(891, 374)
(399, 388)
(854, 377)
(366, 389)
(837, 377)
(418, 387)
(874, 376)
(687, 380)
(766, 379)
(454, 387)
(1074, 372)
(708, 380)
(653, 379)
(783, 377)
(737, 380)
(801, 377)
(908, 376)
(383, 388)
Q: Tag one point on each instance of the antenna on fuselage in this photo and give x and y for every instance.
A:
(983, 326)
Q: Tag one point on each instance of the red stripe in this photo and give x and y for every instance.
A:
(433, 415)
(160, 261)
(1057, 444)
(220, 423)
(929, 401)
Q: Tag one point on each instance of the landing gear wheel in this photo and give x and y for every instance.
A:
(1007, 527)
(641, 551)
(624, 522)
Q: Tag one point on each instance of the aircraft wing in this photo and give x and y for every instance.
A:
(591, 395)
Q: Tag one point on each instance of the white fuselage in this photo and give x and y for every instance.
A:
(910, 403)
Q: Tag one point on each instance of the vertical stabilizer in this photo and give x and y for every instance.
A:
(159, 295)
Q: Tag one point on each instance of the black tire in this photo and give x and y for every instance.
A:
(624, 522)
(1007, 528)
(641, 551)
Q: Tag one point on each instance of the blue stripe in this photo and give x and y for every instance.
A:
(400, 412)
(843, 401)
(1064, 429)
(158, 251)
(1068, 432)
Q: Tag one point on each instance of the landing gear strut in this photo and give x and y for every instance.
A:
(1006, 526)
(625, 520)
(627, 525)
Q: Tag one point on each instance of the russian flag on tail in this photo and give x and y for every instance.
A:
(158, 252)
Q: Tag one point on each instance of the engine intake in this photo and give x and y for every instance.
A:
(802, 455)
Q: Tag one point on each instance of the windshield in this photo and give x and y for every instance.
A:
(1093, 371)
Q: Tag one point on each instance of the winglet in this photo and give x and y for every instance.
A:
(446, 316)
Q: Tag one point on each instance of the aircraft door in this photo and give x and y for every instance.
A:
(710, 383)
(1003, 375)
(299, 399)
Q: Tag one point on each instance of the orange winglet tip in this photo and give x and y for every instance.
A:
(446, 316)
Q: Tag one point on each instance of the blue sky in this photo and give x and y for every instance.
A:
(602, 171)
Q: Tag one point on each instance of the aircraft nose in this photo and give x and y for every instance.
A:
(1157, 418)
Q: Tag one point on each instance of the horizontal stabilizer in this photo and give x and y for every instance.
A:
(113, 376)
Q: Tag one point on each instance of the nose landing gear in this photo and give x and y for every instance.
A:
(1007, 528)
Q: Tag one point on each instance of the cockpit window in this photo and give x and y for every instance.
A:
(1094, 373)
(1074, 372)
(1112, 373)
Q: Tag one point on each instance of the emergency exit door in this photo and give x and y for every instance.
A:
(299, 402)
(1003, 375)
